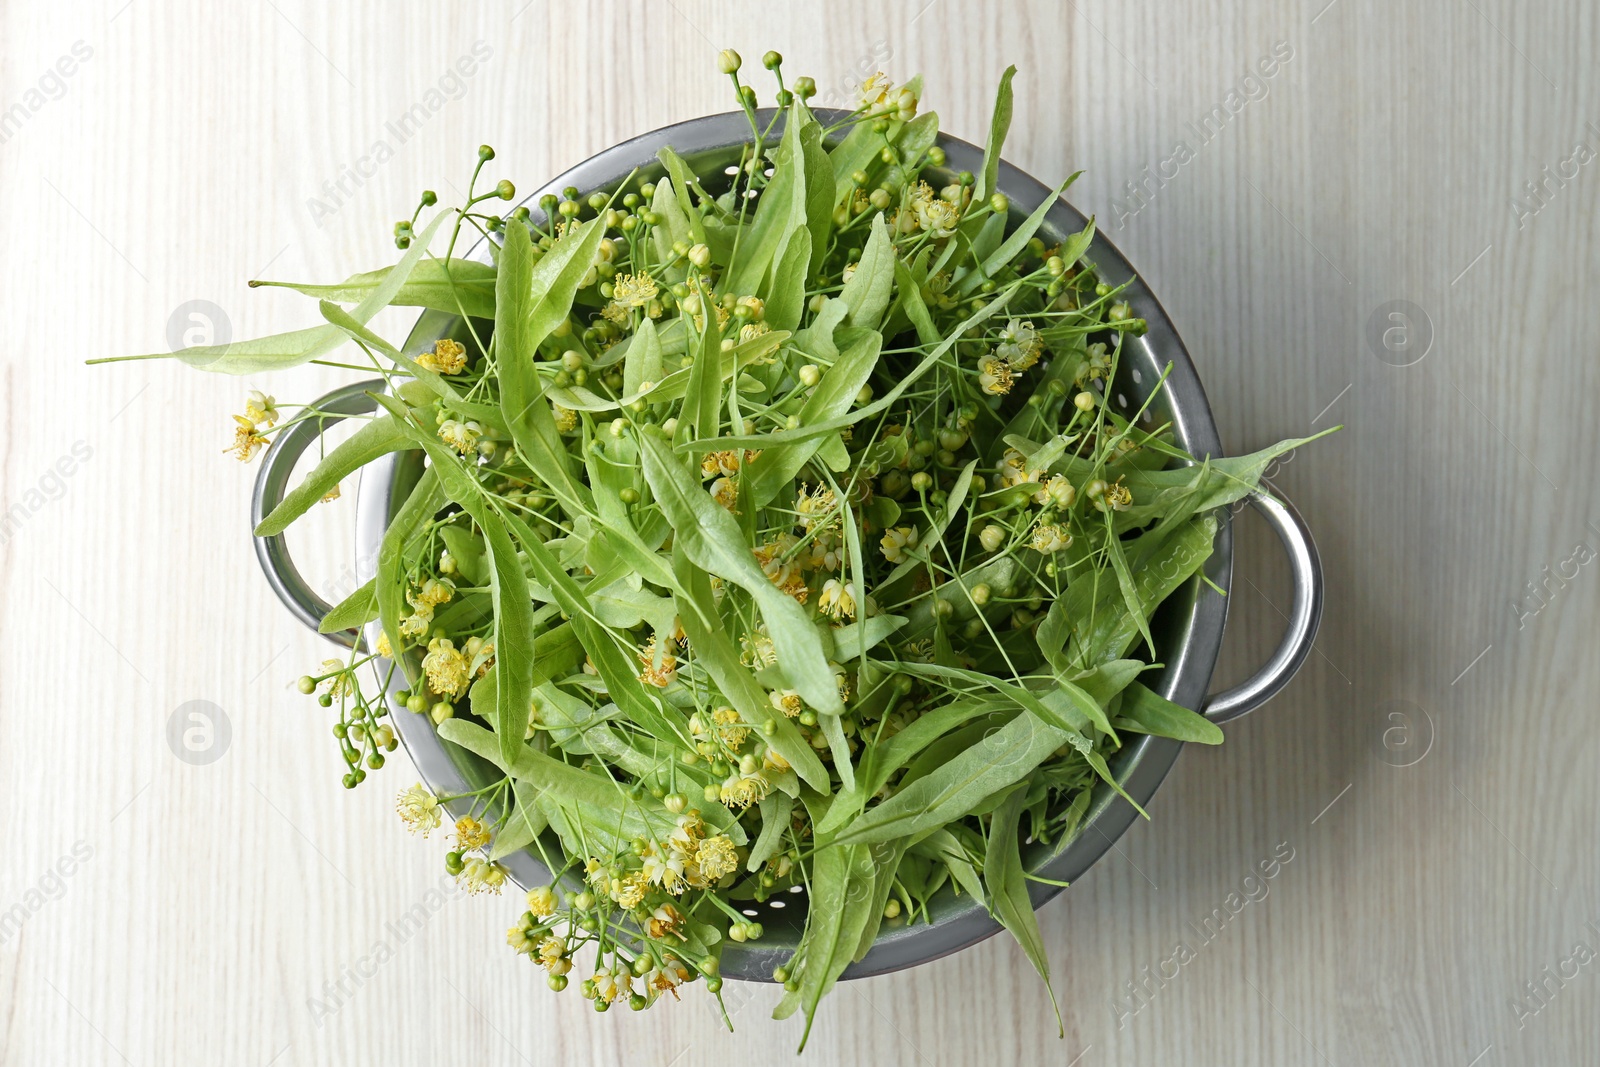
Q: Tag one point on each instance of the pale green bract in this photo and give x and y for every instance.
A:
(773, 533)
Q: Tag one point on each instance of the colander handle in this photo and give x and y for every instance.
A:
(271, 482)
(1304, 615)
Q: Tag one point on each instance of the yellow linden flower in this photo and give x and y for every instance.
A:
(786, 701)
(877, 91)
(331, 495)
(824, 551)
(774, 762)
(658, 676)
(666, 978)
(1020, 344)
(418, 809)
(664, 869)
(445, 667)
(633, 290)
(1098, 365)
(771, 554)
(995, 376)
(612, 987)
(895, 541)
(938, 291)
(542, 901)
(520, 939)
(553, 955)
(447, 357)
(1014, 469)
(695, 305)
(686, 835)
(937, 215)
(461, 436)
(1050, 538)
(837, 602)
(261, 409)
(481, 876)
(757, 651)
(246, 442)
(630, 890)
(738, 792)
(566, 419)
(725, 491)
(615, 313)
(843, 681)
(720, 465)
(470, 834)
(664, 921)
(383, 647)
(431, 594)
(921, 195)
(814, 509)
(1118, 497)
(479, 655)
(727, 721)
(340, 682)
(716, 857)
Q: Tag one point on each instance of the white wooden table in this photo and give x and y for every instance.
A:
(1431, 772)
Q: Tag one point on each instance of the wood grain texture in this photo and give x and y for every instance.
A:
(210, 906)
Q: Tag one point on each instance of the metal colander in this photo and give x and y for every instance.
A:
(1187, 629)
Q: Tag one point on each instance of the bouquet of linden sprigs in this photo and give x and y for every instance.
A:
(778, 536)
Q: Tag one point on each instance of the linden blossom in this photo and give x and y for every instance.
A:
(730, 558)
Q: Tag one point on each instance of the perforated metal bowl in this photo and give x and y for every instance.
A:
(1188, 628)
